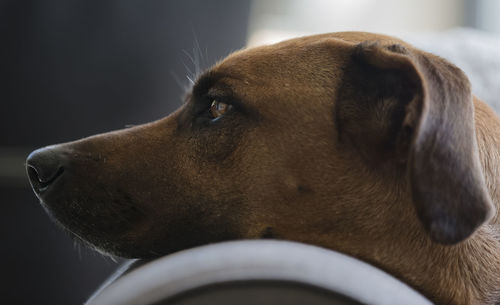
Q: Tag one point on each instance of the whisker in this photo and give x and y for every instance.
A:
(186, 66)
(197, 55)
(183, 86)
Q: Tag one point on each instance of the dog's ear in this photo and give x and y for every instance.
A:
(416, 108)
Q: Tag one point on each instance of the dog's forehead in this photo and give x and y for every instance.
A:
(275, 57)
(275, 64)
(301, 54)
(310, 66)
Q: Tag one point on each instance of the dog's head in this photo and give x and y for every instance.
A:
(331, 140)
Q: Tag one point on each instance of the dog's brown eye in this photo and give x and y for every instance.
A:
(217, 109)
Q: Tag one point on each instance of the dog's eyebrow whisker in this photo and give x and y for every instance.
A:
(206, 52)
(196, 59)
(197, 54)
(197, 65)
(188, 55)
(182, 85)
(193, 74)
(189, 71)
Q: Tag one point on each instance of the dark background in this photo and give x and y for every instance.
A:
(70, 69)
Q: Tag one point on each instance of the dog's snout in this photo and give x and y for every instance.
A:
(44, 166)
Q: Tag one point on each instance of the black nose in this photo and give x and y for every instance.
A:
(44, 166)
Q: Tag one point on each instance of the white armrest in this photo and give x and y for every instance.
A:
(257, 272)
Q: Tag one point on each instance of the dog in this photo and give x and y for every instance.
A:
(351, 141)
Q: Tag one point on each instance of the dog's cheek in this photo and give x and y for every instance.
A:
(191, 200)
(200, 221)
(214, 145)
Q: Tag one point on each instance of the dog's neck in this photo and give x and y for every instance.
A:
(466, 273)
(473, 266)
(488, 138)
(463, 274)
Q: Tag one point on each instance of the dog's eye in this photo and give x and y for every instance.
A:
(218, 109)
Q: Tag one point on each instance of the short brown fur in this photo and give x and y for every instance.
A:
(355, 142)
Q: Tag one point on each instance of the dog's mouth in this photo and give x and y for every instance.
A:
(39, 184)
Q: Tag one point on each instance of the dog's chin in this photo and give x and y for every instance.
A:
(106, 245)
(118, 225)
(109, 236)
(128, 240)
(146, 247)
(151, 243)
(112, 249)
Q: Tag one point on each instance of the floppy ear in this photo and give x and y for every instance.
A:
(414, 107)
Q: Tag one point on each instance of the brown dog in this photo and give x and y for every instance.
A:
(351, 141)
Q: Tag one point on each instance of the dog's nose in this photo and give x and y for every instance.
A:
(44, 166)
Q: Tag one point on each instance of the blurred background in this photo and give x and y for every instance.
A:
(70, 69)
